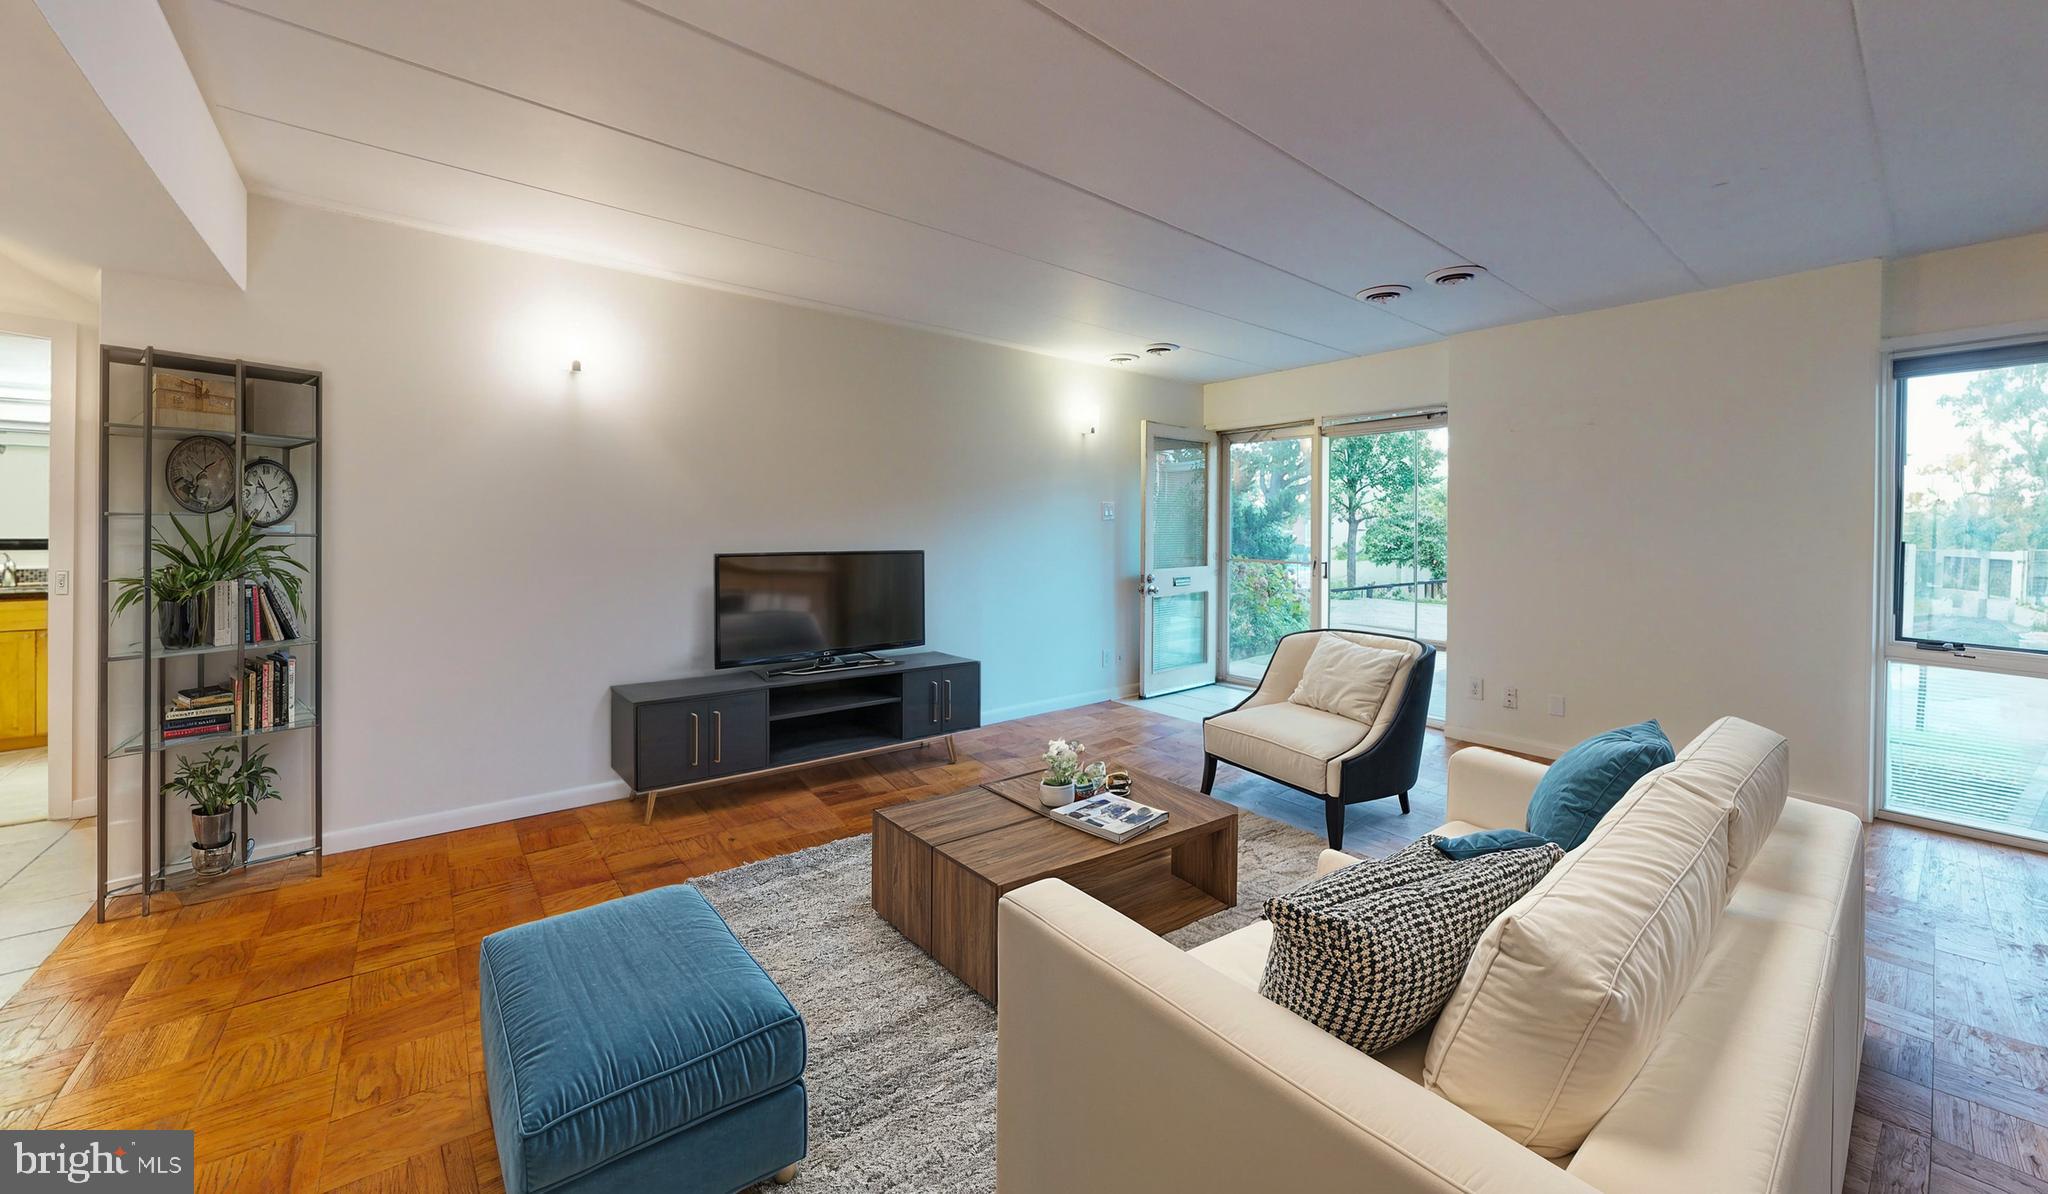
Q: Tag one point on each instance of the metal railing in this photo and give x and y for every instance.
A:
(1432, 589)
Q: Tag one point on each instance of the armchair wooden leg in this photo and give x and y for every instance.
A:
(1208, 773)
(1404, 804)
(1333, 821)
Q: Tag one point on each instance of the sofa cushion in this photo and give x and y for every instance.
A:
(1570, 988)
(1370, 953)
(1749, 768)
(1591, 778)
(1290, 742)
(611, 1027)
(1347, 678)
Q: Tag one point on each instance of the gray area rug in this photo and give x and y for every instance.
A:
(902, 1070)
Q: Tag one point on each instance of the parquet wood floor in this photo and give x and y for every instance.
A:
(320, 1033)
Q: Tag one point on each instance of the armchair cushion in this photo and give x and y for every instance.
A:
(1347, 678)
(1292, 743)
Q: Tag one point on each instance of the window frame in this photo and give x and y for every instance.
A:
(1901, 365)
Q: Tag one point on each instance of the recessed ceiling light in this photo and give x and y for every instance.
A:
(1453, 275)
(1382, 294)
(1161, 348)
(1122, 358)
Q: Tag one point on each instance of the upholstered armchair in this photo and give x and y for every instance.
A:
(1342, 758)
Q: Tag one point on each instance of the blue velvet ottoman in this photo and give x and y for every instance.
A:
(636, 1045)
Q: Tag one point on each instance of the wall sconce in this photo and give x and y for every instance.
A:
(575, 366)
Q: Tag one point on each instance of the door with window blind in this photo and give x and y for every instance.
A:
(1177, 560)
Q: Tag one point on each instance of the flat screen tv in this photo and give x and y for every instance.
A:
(785, 606)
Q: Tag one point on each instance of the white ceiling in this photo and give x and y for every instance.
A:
(1080, 177)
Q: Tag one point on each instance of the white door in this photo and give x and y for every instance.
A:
(1177, 560)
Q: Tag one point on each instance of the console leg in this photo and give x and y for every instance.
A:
(785, 1175)
(952, 752)
(649, 818)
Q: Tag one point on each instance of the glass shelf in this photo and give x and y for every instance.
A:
(134, 650)
(133, 745)
(137, 430)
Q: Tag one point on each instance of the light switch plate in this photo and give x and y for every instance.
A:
(1556, 705)
(1109, 511)
(60, 582)
(1476, 688)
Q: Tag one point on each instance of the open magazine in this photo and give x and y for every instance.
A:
(1118, 818)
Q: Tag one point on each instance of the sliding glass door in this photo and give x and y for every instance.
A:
(1341, 524)
(1965, 686)
(1388, 486)
(1271, 572)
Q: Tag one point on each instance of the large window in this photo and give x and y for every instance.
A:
(1272, 565)
(1966, 680)
(1340, 524)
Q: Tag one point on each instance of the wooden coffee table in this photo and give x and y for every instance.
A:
(940, 865)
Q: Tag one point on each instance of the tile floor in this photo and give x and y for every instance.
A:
(24, 785)
(47, 871)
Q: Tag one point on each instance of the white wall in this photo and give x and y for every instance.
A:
(1976, 288)
(506, 541)
(1405, 379)
(1660, 510)
(25, 491)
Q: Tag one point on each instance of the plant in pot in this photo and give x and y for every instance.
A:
(1062, 768)
(183, 585)
(215, 784)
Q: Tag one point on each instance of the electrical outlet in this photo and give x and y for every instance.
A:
(1109, 511)
(1510, 699)
(1476, 688)
(1556, 705)
(60, 582)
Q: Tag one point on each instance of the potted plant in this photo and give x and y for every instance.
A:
(183, 585)
(1062, 768)
(215, 784)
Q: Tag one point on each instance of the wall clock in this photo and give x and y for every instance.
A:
(269, 492)
(200, 473)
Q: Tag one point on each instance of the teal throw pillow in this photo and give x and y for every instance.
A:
(1591, 778)
(1487, 841)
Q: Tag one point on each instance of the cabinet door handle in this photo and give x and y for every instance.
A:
(935, 702)
(949, 700)
(696, 741)
(718, 735)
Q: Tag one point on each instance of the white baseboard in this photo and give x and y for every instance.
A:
(449, 820)
(1032, 708)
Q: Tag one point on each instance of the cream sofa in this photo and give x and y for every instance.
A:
(1129, 1065)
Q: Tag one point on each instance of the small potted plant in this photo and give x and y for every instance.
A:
(215, 784)
(182, 586)
(1062, 768)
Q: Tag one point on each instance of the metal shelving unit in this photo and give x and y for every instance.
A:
(298, 447)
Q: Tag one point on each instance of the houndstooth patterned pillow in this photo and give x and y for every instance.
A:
(1371, 953)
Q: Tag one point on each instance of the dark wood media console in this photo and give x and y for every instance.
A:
(711, 729)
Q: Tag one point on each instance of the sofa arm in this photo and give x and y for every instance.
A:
(1124, 1064)
(1490, 789)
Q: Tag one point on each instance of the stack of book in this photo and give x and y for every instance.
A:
(263, 697)
(269, 691)
(252, 611)
(196, 712)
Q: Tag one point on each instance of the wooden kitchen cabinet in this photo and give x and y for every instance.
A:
(24, 672)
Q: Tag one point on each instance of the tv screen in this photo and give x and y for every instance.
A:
(773, 607)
